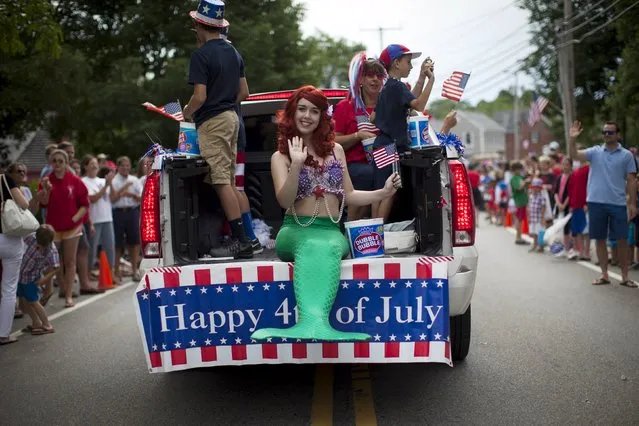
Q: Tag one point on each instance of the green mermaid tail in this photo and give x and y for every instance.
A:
(317, 251)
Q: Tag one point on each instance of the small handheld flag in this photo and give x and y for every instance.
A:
(385, 156)
(537, 106)
(172, 110)
(454, 86)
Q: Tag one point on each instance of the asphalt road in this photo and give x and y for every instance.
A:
(547, 348)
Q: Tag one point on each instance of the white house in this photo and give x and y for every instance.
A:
(482, 136)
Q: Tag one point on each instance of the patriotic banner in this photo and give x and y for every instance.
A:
(454, 86)
(203, 315)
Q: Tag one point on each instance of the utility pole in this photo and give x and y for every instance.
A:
(381, 31)
(516, 141)
(567, 69)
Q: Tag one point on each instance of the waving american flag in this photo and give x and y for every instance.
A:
(385, 155)
(172, 110)
(537, 106)
(454, 86)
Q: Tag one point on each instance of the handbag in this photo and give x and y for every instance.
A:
(16, 222)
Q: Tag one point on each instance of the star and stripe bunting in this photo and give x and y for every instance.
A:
(454, 86)
(203, 315)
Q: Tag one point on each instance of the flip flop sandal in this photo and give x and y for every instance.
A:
(41, 331)
(29, 328)
(69, 305)
(601, 281)
(629, 284)
(8, 341)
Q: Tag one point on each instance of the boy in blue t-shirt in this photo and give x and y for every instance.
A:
(393, 106)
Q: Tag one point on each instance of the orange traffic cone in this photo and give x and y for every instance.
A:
(524, 226)
(508, 222)
(106, 280)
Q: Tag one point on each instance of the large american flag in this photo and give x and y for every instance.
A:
(454, 86)
(537, 106)
(385, 156)
(172, 110)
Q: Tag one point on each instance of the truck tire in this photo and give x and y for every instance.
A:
(460, 335)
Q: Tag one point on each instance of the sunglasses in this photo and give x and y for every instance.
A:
(608, 133)
(22, 172)
(58, 161)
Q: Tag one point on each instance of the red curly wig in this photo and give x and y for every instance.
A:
(323, 139)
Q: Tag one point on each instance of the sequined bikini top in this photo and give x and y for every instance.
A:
(328, 178)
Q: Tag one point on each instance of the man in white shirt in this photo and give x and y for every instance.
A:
(125, 198)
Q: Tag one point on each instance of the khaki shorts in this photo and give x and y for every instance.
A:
(217, 138)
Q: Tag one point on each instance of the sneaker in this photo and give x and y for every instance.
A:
(257, 246)
(562, 253)
(572, 255)
(233, 249)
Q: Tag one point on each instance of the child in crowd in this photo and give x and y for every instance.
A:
(577, 185)
(39, 265)
(537, 205)
(491, 204)
(502, 195)
(519, 190)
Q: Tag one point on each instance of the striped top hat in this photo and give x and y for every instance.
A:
(210, 13)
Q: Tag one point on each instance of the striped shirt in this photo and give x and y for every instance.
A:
(536, 203)
(36, 261)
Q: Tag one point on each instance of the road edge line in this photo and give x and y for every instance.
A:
(93, 299)
(583, 263)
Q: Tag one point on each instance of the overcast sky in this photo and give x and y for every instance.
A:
(486, 37)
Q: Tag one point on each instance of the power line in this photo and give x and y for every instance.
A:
(501, 55)
(592, 18)
(487, 14)
(490, 43)
(583, 12)
(479, 89)
(605, 24)
(491, 79)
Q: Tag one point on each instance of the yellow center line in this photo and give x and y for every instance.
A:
(322, 408)
(363, 396)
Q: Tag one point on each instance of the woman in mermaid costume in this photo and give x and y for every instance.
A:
(313, 185)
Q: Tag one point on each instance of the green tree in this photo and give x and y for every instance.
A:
(624, 103)
(329, 58)
(596, 56)
(138, 50)
(440, 107)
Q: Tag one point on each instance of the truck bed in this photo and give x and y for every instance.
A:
(268, 255)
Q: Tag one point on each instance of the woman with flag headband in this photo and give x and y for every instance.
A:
(353, 126)
(312, 183)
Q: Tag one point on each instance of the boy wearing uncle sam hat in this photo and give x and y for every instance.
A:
(393, 106)
(216, 71)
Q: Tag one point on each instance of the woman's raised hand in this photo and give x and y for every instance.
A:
(297, 150)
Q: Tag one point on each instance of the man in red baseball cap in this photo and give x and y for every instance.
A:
(393, 106)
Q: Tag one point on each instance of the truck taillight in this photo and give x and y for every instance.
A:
(463, 205)
(150, 216)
